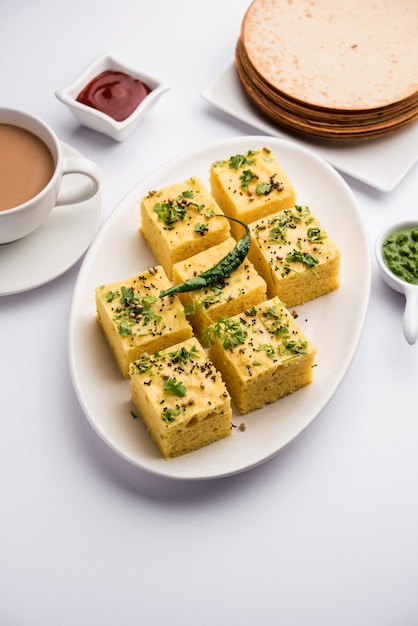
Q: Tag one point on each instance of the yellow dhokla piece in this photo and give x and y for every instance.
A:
(250, 186)
(135, 320)
(236, 293)
(180, 220)
(294, 255)
(181, 398)
(263, 355)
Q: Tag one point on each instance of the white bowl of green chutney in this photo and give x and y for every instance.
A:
(397, 256)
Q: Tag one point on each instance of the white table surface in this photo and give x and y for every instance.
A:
(323, 534)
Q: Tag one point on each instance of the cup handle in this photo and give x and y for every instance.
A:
(410, 319)
(79, 165)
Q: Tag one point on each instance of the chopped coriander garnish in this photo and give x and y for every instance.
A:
(133, 309)
(175, 209)
(267, 187)
(230, 332)
(297, 347)
(316, 234)
(169, 415)
(301, 257)
(303, 210)
(267, 348)
(174, 387)
(190, 308)
(246, 177)
(170, 212)
(251, 312)
(187, 193)
(201, 228)
(278, 233)
(143, 364)
(271, 313)
(124, 328)
(239, 160)
(109, 296)
(183, 354)
(263, 189)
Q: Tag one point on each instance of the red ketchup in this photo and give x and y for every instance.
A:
(114, 93)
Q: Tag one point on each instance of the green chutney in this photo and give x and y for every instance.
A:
(400, 253)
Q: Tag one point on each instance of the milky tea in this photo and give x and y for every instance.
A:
(26, 165)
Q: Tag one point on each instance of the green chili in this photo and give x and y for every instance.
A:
(218, 272)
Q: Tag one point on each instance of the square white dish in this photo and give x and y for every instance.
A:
(371, 161)
(95, 119)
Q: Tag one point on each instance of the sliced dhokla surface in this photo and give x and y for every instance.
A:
(181, 220)
(135, 320)
(263, 355)
(295, 256)
(235, 293)
(250, 186)
(181, 398)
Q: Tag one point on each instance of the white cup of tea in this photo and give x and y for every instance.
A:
(32, 167)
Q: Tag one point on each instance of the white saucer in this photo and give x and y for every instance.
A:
(55, 246)
(369, 161)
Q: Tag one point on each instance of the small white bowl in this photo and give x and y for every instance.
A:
(88, 116)
(410, 291)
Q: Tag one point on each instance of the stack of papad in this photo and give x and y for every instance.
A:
(338, 70)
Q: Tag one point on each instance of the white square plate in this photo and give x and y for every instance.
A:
(371, 161)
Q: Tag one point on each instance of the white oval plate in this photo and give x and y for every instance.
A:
(55, 246)
(334, 322)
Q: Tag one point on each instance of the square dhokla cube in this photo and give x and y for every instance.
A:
(251, 185)
(238, 292)
(263, 355)
(293, 253)
(179, 221)
(135, 320)
(181, 398)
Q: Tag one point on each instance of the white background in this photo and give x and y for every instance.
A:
(324, 534)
